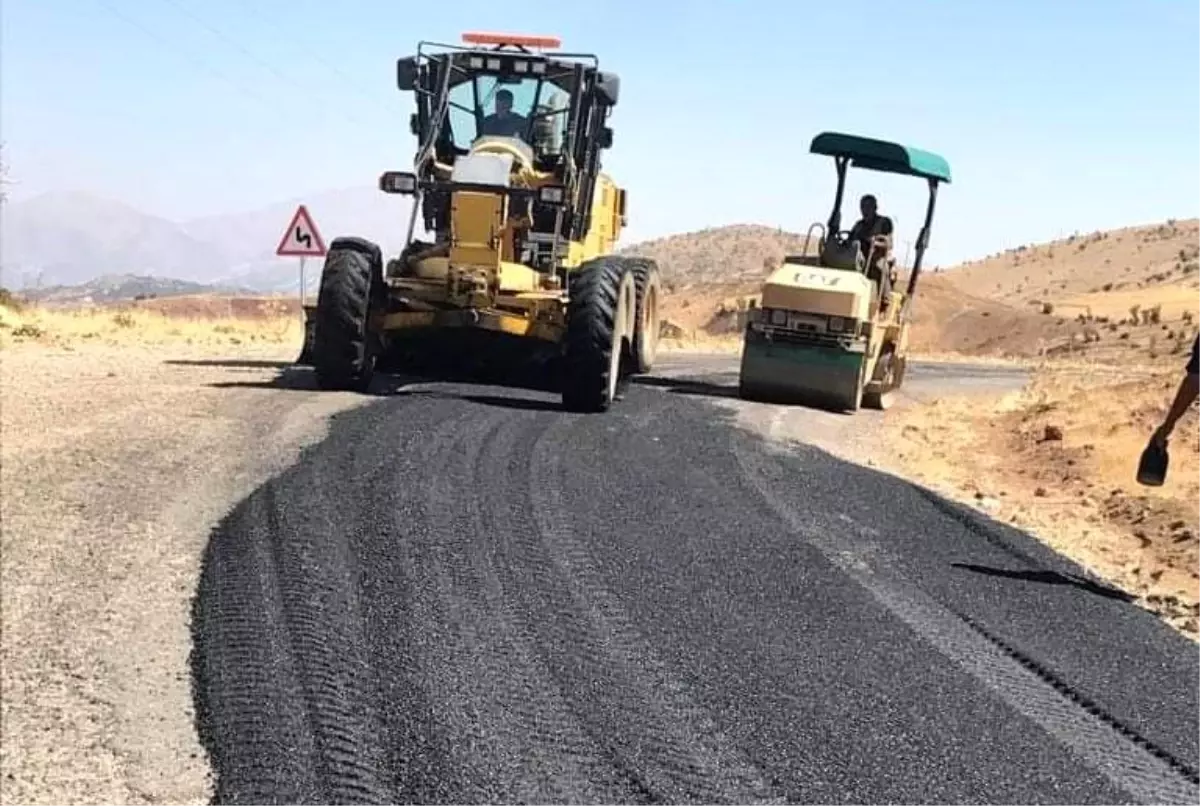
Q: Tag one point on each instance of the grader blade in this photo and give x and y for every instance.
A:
(305, 359)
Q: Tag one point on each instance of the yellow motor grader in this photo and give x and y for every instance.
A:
(507, 178)
(830, 329)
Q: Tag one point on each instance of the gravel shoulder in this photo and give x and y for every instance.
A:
(116, 463)
(1058, 459)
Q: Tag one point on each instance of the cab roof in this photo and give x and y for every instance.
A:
(881, 155)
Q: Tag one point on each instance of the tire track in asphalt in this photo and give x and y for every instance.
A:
(288, 710)
(1146, 772)
(481, 601)
(517, 727)
(681, 753)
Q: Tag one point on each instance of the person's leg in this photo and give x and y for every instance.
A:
(878, 273)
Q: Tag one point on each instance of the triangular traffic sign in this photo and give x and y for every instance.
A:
(301, 238)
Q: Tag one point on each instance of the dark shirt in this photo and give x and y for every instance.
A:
(512, 125)
(1193, 365)
(863, 231)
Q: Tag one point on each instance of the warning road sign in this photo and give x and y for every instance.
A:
(302, 238)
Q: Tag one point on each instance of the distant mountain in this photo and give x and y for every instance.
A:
(252, 237)
(70, 238)
(114, 287)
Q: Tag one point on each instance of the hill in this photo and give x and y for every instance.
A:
(1108, 296)
(121, 287)
(718, 255)
(1074, 296)
(1126, 260)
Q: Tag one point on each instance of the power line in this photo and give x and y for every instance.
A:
(200, 63)
(247, 53)
(351, 83)
(206, 67)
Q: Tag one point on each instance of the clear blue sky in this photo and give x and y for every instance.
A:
(1055, 115)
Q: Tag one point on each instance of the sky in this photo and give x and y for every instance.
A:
(1056, 116)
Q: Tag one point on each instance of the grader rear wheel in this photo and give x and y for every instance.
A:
(647, 284)
(600, 328)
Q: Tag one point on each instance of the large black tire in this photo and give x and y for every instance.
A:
(600, 318)
(344, 349)
(888, 370)
(647, 283)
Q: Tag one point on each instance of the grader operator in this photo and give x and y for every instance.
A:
(507, 178)
(831, 329)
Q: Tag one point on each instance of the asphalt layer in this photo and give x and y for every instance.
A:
(464, 595)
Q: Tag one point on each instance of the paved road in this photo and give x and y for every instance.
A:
(464, 595)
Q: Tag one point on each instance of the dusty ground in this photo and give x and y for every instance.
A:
(114, 463)
(1058, 460)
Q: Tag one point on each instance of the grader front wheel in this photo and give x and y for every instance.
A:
(600, 327)
(344, 349)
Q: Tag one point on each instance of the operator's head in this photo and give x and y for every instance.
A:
(868, 205)
(503, 102)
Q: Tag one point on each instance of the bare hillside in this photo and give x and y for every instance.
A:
(718, 255)
(1130, 260)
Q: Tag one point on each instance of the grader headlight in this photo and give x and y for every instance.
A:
(398, 182)
(552, 194)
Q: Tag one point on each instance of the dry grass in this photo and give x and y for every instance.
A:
(191, 323)
(268, 322)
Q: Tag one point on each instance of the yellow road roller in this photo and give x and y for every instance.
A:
(830, 330)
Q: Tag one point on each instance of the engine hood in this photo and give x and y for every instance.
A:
(812, 289)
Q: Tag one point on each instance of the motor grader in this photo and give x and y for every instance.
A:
(523, 223)
(830, 329)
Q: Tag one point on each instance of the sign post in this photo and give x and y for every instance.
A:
(302, 240)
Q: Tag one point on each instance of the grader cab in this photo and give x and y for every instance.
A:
(507, 179)
(830, 329)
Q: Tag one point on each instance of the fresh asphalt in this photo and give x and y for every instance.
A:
(464, 595)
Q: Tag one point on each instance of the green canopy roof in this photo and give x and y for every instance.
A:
(880, 155)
